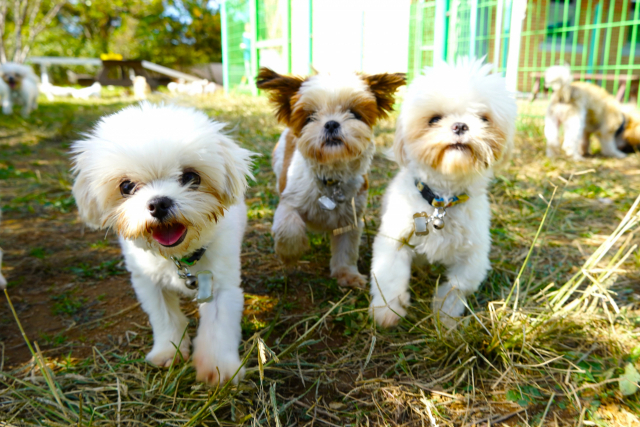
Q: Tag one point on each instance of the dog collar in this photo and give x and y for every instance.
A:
(190, 260)
(436, 201)
(202, 280)
(422, 219)
(332, 193)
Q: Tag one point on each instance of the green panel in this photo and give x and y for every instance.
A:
(238, 45)
(421, 37)
(591, 36)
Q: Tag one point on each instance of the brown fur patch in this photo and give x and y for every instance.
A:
(365, 184)
(384, 86)
(281, 91)
(289, 149)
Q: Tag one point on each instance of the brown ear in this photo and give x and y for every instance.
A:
(281, 90)
(384, 87)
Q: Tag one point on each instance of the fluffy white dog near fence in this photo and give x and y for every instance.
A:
(20, 86)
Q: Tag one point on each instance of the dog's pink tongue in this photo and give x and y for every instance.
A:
(168, 235)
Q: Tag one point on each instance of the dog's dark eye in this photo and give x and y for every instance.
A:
(356, 115)
(127, 188)
(435, 119)
(191, 179)
(484, 119)
(309, 119)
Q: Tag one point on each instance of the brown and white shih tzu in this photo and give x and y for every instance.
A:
(322, 159)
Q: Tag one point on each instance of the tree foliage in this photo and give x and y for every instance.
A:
(175, 33)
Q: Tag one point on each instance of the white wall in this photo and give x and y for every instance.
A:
(360, 35)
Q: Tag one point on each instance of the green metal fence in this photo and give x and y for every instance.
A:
(598, 39)
(255, 33)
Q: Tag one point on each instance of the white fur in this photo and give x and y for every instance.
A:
(153, 146)
(461, 93)
(26, 94)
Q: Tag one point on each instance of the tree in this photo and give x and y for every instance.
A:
(28, 19)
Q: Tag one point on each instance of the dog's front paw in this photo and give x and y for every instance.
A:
(388, 315)
(448, 304)
(165, 355)
(290, 250)
(552, 152)
(3, 282)
(216, 367)
(349, 278)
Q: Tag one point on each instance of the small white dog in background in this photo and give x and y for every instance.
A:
(141, 88)
(171, 184)
(20, 87)
(456, 124)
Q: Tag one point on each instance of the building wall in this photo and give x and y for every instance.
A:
(361, 35)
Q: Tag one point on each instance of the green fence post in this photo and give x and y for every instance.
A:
(253, 19)
(440, 31)
(225, 45)
(310, 36)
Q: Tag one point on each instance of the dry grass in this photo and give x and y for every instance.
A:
(546, 342)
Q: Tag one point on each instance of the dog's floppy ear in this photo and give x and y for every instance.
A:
(281, 90)
(384, 86)
(88, 209)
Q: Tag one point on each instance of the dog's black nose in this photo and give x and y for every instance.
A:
(11, 80)
(459, 128)
(159, 207)
(331, 126)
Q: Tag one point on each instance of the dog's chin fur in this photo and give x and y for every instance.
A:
(153, 147)
(582, 109)
(430, 147)
(329, 135)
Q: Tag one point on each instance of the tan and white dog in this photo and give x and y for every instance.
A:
(322, 159)
(19, 86)
(629, 141)
(171, 184)
(583, 109)
(456, 125)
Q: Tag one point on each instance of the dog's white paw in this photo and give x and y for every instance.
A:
(448, 304)
(3, 282)
(388, 315)
(163, 356)
(216, 367)
(552, 152)
(349, 277)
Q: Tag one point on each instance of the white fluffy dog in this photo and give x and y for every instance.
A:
(322, 159)
(20, 87)
(456, 124)
(171, 184)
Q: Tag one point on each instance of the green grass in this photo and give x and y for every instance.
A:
(548, 339)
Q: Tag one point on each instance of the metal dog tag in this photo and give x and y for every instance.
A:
(326, 203)
(205, 286)
(420, 223)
